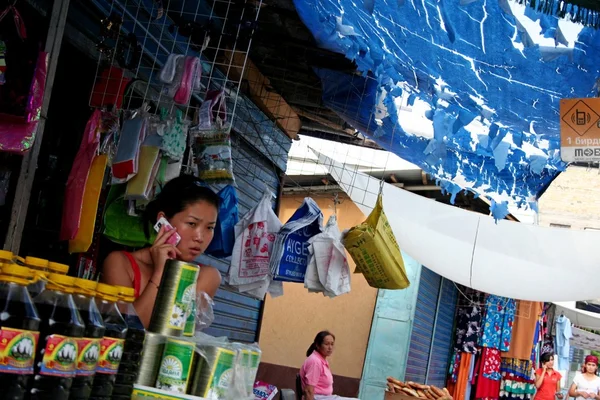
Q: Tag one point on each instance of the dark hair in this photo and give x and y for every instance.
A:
(546, 357)
(175, 196)
(318, 342)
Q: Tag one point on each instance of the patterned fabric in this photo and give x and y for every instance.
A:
(491, 360)
(498, 323)
(468, 325)
(517, 381)
(454, 366)
(175, 137)
(514, 369)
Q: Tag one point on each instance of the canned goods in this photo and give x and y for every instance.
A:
(175, 368)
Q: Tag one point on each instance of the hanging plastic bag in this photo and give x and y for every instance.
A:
(141, 186)
(224, 238)
(17, 133)
(374, 249)
(110, 88)
(328, 271)
(290, 252)
(126, 161)
(78, 177)
(213, 112)
(254, 238)
(175, 136)
(212, 155)
(85, 234)
(119, 226)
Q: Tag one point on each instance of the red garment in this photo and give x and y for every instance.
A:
(548, 389)
(137, 276)
(491, 363)
(488, 388)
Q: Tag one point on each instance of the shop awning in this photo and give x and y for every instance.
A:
(506, 258)
(482, 80)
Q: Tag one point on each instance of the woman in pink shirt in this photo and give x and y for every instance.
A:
(317, 380)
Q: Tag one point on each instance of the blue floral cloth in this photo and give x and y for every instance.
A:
(498, 323)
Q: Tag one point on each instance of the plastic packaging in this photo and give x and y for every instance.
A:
(373, 247)
(212, 155)
(134, 346)
(112, 344)
(19, 331)
(89, 344)
(61, 327)
(224, 238)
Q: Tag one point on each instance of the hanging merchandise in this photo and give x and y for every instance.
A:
(141, 186)
(85, 234)
(73, 204)
(290, 251)
(182, 75)
(373, 247)
(212, 155)
(17, 132)
(167, 73)
(327, 271)
(224, 237)
(174, 133)
(255, 235)
(524, 330)
(564, 334)
(2, 62)
(213, 112)
(498, 323)
(191, 72)
(133, 132)
(109, 89)
(119, 226)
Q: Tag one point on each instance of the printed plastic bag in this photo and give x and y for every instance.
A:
(254, 238)
(290, 252)
(373, 247)
(213, 112)
(264, 391)
(223, 241)
(212, 155)
(328, 269)
(78, 177)
(119, 226)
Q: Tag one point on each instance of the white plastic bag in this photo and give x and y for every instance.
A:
(328, 269)
(255, 234)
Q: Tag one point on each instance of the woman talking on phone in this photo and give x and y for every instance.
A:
(587, 384)
(547, 380)
(191, 209)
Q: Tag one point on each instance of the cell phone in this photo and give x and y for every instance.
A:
(174, 239)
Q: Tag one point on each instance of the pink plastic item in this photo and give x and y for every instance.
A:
(184, 93)
(17, 133)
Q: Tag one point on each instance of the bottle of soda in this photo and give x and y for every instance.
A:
(111, 349)
(134, 345)
(61, 327)
(89, 345)
(40, 267)
(19, 333)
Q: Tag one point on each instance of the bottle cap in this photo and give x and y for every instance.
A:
(85, 286)
(107, 292)
(58, 268)
(37, 263)
(16, 274)
(6, 255)
(60, 282)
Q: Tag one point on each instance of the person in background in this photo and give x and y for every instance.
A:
(191, 209)
(587, 384)
(317, 380)
(547, 380)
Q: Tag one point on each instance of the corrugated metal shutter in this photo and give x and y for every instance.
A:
(431, 336)
(423, 325)
(236, 315)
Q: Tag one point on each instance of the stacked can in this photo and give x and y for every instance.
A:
(168, 358)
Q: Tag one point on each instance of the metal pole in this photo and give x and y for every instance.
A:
(56, 29)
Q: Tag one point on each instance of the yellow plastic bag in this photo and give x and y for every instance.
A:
(373, 247)
(83, 239)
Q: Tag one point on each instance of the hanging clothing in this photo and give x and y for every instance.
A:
(517, 381)
(460, 390)
(470, 378)
(468, 322)
(563, 335)
(524, 330)
(488, 388)
(454, 366)
(491, 361)
(498, 323)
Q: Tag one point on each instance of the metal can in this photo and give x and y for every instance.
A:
(174, 298)
(175, 368)
(154, 345)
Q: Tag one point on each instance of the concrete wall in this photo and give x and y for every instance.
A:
(291, 322)
(571, 200)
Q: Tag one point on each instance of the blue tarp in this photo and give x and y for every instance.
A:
(491, 93)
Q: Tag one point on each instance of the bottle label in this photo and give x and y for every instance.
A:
(87, 359)
(185, 294)
(111, 351)
(176, 365)
(190, 323)
(60, 356)
(17, 350)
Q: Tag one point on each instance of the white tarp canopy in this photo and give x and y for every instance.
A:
(505, 258)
